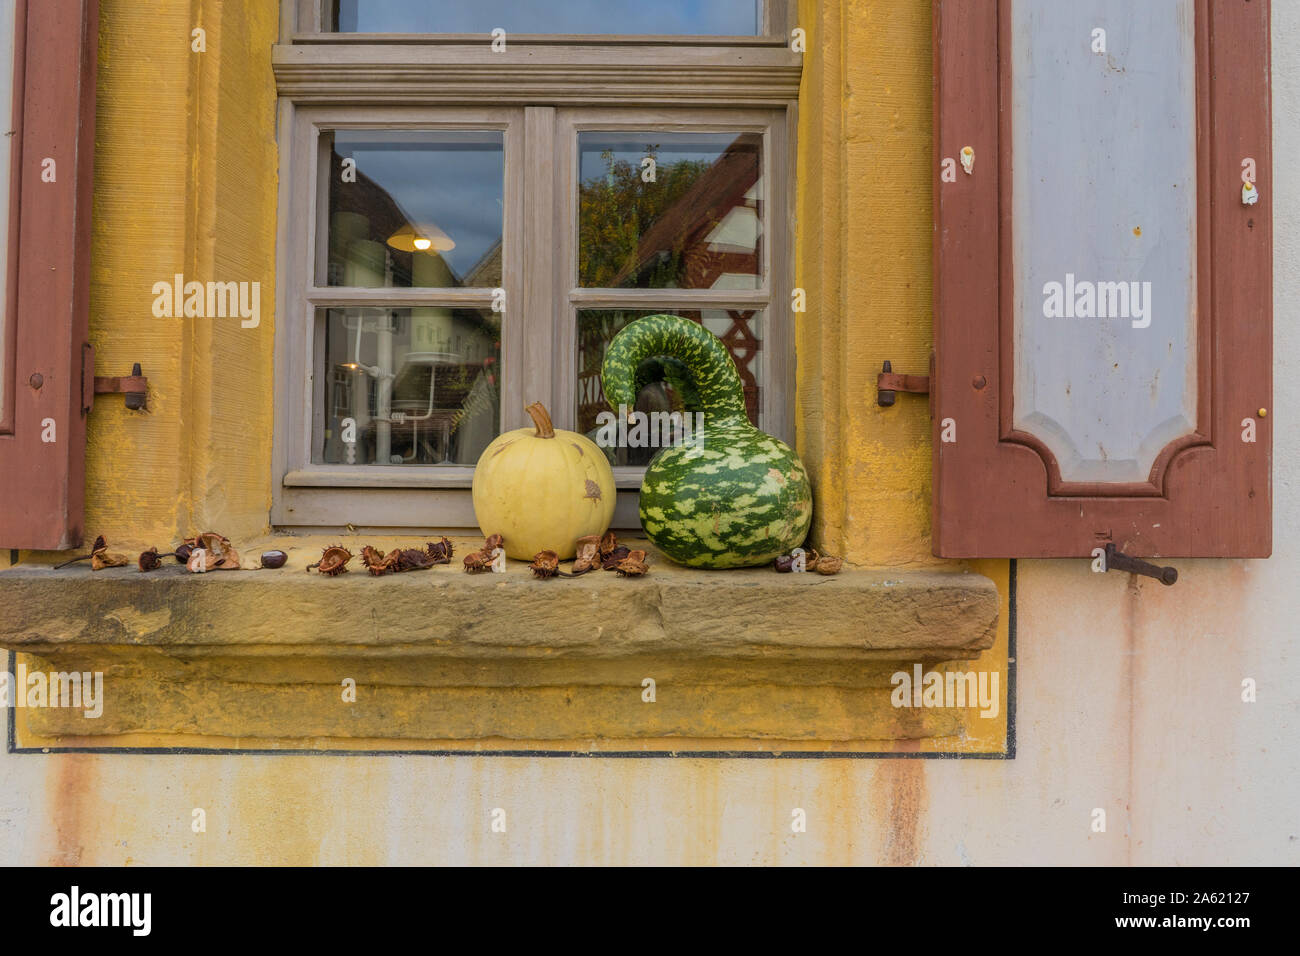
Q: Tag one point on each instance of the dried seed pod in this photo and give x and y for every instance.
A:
(101, 557)
(633, 565)
(588, 554)
(413, 559)
(546, 564)
(784, 564)
(149, 560)
(273, 559)
(478, 561)
(608, 543)
(481, 560)
(610, 561)
(228, 557)
(108, 559)
(218, 554)
(828, 564)
(440, 551)
(811, 558)
(194, 544)
(99, 545)
(183, 553)
(377, 562)
(334, 560)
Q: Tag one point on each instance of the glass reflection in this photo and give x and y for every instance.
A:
(414, 208)
(660, 210)
(410, 386)
(646, 17)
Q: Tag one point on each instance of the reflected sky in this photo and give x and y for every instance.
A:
(452, 179)
(663, 17)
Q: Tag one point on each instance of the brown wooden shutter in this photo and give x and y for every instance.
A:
(46, 316)
(998, 490)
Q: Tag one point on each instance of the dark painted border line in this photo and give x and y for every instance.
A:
(1009, 754)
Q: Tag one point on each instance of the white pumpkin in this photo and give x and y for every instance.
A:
(542, 489)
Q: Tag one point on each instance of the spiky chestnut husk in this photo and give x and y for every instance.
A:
(634, 565)
(377, 562)
(334, 560)
(440, 551)
(546, 564)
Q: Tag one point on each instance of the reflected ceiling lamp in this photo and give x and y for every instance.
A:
(421, 237)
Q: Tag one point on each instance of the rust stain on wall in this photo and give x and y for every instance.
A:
(1132, 630)
(70, 804)
(899, 799)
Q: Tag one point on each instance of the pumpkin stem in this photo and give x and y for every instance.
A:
(542, 419)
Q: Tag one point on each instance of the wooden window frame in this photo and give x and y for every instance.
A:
(422, 82)
(301, 389)
(997, 491)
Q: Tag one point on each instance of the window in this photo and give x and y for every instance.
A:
(465, 229)
(1103, 325)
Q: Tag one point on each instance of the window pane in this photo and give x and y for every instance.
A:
(670, 389)
(421, 385)
(420, 208)
(652, 17)
(696, 224)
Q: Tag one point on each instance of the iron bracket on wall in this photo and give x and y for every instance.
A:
(888, 382)
(1118, 561)
(135, 387)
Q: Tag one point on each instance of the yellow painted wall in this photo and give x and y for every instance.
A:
(863, 256)
(185, 182)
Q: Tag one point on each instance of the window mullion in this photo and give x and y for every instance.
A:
(540, 336)
(397, 297)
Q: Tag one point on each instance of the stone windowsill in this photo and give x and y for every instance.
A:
(443, 655)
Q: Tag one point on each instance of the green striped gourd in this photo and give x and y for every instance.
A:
(736, 498)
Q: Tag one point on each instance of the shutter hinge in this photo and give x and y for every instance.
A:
(888, 383)
(135, 387)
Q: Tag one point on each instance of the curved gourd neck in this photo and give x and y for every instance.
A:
(721, 396)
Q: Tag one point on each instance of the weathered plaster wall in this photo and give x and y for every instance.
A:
(863, 254)
(185, 182)
(1128, 698)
